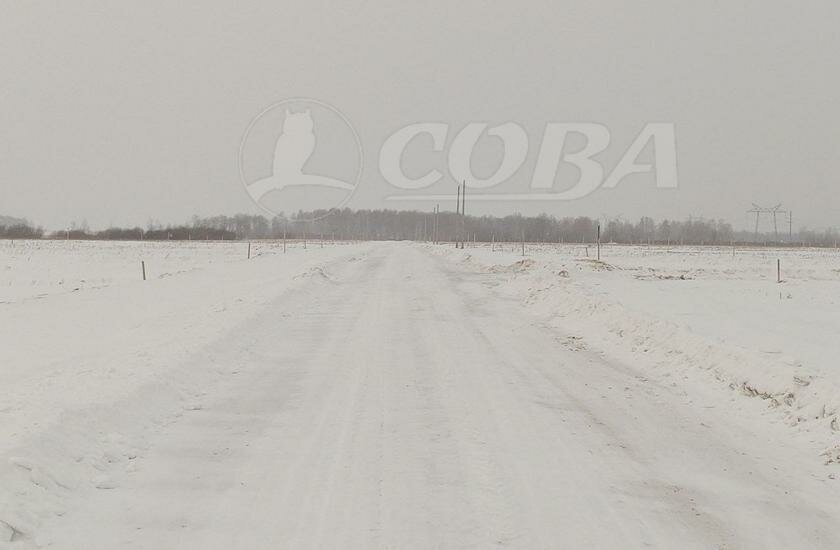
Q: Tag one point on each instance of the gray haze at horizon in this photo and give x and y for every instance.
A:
(118, 113)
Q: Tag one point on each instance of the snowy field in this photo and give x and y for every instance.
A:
(404, 395)
(86, 342)
(35, 269)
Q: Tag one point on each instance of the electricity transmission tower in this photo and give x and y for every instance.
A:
(773, 211)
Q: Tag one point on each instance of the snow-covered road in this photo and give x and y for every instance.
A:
(399, 401)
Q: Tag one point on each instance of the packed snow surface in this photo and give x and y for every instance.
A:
(404, 395)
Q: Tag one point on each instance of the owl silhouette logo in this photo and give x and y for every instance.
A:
(295, 145)
(294, 169)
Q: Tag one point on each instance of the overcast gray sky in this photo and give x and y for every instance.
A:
(119, 112)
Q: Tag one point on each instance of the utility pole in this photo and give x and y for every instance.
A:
(437, 211)
(599, 242)
(790, 225)
(463, 216)
(457, 213)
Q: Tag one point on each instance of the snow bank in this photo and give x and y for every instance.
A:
(684, 311)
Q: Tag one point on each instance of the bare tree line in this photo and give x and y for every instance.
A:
(347, 224)
(17, 228)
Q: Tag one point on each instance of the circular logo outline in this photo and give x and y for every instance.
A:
(240, 157)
